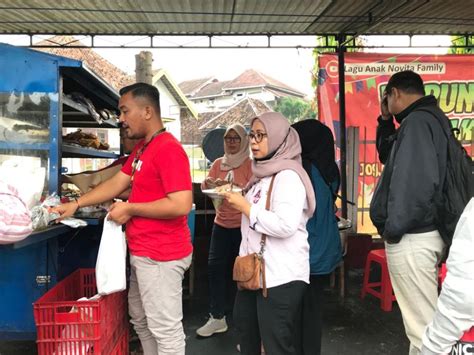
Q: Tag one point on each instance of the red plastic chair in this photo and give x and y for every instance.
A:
(441, 274)
(385, 294)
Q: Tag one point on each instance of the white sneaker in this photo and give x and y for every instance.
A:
(212, 326)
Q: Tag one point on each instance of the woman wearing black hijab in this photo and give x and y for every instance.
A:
(318, 156)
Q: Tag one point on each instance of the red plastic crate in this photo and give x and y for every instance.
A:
(66, 326)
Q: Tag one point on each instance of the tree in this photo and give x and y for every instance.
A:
(294, 109)
(329, 45)
(467, 41)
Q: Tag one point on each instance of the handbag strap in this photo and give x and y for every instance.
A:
(267, 207)
(263, 240)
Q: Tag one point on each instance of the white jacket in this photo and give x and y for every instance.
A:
(287, 250)
(455, 313)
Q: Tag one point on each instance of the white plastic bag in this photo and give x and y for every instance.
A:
(79, 332)
(15, 218)
(110, 266)
(27, 178)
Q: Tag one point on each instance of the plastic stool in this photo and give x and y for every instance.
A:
(385, 294)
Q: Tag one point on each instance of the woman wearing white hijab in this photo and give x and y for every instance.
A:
(234, 166)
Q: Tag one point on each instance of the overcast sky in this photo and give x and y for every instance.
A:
(291, 66)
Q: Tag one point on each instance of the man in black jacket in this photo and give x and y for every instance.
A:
(415, 158)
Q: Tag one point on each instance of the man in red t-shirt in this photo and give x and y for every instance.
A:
(157, 231)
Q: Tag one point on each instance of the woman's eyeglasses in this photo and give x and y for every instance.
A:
(232, 139)
(258, 137)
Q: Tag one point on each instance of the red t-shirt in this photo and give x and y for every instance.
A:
(163, 168)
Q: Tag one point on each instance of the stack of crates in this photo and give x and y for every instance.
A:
(66, 326)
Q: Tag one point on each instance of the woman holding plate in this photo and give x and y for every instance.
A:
(278, 203)
(233, 168)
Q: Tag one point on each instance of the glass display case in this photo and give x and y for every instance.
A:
(40, 95)
(25, 136)
(53, 92)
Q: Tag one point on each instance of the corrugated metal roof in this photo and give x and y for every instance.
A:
(304, 17)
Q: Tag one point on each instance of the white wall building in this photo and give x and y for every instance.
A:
(210, 94)
(172, 101)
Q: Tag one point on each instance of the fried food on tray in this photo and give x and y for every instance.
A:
(87, 140)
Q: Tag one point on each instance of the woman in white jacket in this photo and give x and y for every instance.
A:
(455, 313)
(277, 151)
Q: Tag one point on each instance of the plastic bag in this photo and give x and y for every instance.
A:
(41, 215)
(78, 331)
(110, 266)
(27, 179)
(15, 218)
(74, 222)
(51, 200)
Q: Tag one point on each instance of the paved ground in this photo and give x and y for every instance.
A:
(351, 326)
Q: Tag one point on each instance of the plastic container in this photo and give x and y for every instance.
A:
(67, 326)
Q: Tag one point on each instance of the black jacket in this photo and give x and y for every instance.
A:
(386, 135)
(418, 166)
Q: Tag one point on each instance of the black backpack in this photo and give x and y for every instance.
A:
(458, 186)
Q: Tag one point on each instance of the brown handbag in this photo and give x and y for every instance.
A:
(250, 269)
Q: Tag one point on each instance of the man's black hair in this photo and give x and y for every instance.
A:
(147, 91)
(406, 81)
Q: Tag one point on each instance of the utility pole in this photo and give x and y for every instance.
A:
(143, 67)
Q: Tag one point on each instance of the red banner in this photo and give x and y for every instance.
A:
(450, 78)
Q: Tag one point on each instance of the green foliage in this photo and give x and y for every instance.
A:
(328, 46)
(295, 109)
(461, 41)
(321, 41)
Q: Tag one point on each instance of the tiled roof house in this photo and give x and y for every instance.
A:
(191, 87)
(209, 94)
(241, 112)
(113, 75)
(175, 106)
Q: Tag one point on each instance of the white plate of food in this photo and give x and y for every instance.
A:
(215, 194)
(212, 193)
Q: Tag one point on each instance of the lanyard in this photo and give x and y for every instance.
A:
(140, 152)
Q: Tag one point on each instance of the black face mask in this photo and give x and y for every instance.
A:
(269, 156)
